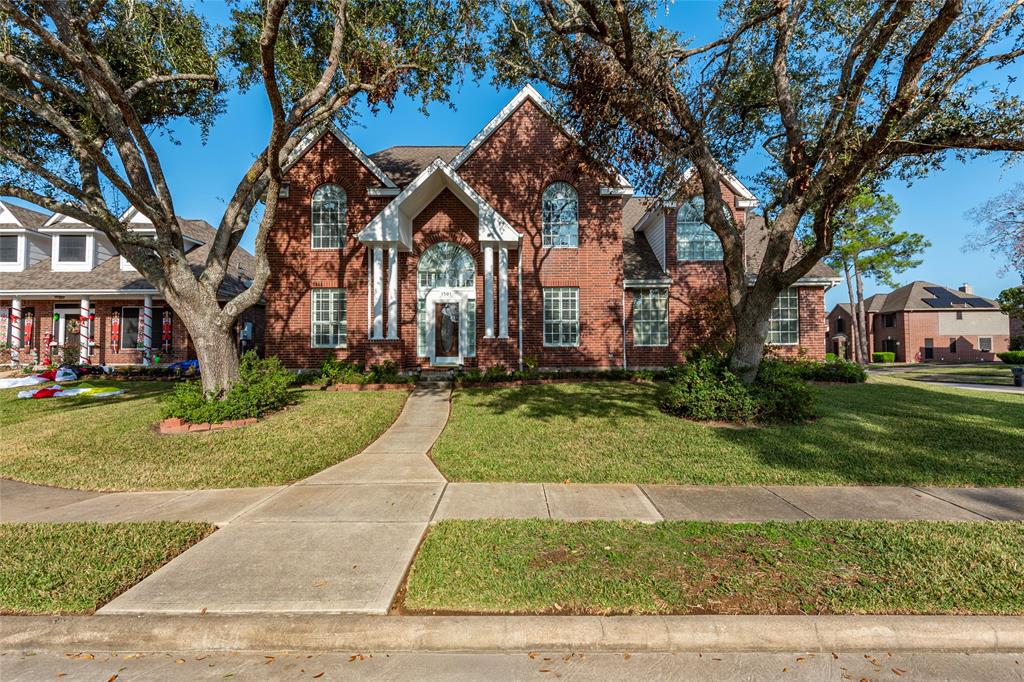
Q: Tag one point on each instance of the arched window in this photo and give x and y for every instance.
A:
(330, 212)
(695, 240)
(560, 209)
(445, 265)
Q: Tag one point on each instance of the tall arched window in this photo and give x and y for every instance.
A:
(449, 265)
(560, 209)
(330, 213)
(695, 240)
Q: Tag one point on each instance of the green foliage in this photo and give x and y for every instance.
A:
(387, 372)
(1011, 301)
(782, 397)
(831, 370)
(831, 357)
(334, 371)
(1013, 357)
(1017, 343)
(262, 387)
(883, 356)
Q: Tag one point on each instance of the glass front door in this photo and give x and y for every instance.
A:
(446, 331)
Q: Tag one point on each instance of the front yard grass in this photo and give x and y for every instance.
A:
(112, 444)
(836, 567)
(78, 567)
(887, 431)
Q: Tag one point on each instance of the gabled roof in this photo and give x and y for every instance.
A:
(872, 304)
(404, 162)
(746, 198)
(394, 222)
(316, 135)
(527, 93)
(755, 243)
(921, 295)
(12, 215)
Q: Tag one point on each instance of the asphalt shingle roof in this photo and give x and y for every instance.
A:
(638, 259)
(756, 241)
(403, 163)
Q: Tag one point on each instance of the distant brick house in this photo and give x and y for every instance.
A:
(507, 250)
(66, 293)
(924, 322)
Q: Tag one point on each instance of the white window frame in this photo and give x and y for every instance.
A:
(789, 304)
(645, 314)
(547, 240)
(342, 231)
(981, 344)
(700, 233)
(73, 266)
(19, 264)
(557, 317)
(342, 323)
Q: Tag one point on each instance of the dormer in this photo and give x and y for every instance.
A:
(21, 245)
(137, 222)
(72, 244)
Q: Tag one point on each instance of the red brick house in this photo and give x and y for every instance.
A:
(65, 292)
(511, 249)
(924, 322)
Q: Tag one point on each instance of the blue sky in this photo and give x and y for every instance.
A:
(202, 177)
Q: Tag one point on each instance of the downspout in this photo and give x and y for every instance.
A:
(519, 299)
(624, 363)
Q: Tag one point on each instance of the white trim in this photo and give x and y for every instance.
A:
(22, 249)
(745, 198)
(616, 191)
(528, 92)
(312, 321)
(7, 216)
(57, 265)
(488, 291)
(394, 224)
(502, 293)
(647, 283)
(84, 329)
(393, 292)
(383, 191)
(460, 295)
(378, 293)
(315, 135)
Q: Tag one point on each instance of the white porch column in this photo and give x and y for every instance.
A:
(83, 331)
(378, 293)
(147, 328)
(16, 329)
(503, 292)
(489, 291)
(393, 292)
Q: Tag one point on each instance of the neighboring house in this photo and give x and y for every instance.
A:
(923, 322)
(65, 291)
(511, 249)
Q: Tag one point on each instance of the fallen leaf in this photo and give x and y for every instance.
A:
(203, 611)
(112, 678)
(532, 654)
(835, 655)
(627, 656)
(897, 672)
(179, 660)
(318, 675)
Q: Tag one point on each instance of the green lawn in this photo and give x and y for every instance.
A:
(112, 443)
(78, 567)
(888, 431)
(840, 567)
(989, 373)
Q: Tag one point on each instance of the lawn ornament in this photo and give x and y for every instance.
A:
(115, 332)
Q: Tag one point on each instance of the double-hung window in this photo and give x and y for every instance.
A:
(9, 248)
(784, 323)
(650, 317)
(561, 316)
(330, 214)
(71, 248)
(327, 315)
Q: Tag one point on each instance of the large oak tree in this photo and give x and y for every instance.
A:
(835, 91)
(85, 85)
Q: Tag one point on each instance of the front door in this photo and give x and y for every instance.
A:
(446, 331)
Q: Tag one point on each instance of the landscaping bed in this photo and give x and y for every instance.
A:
(676, 567)
(78, 567)
(887, 431)
(113, 444)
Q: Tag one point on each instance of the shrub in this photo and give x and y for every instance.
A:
(782, 396)
(387, 372)
(831, 357)
(837, 370)
(334, 371)
(262, 387)
(1013, 357)
(1017, 343)
(883, 357)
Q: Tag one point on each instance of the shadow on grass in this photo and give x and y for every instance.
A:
(572, 401)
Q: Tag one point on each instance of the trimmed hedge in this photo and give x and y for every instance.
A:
(1012, 357)
(334, 371)
(883, 357)
(262, 387)
(834, 371)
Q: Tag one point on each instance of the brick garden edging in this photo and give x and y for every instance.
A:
(177, 425)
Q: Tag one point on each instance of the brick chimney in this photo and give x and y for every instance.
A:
(966, 288)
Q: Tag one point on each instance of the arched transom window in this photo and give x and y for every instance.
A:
(560, 208)
(695, 240)
(445, 265)
(330, 213)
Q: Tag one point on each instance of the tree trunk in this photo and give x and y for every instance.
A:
(217, 353)
(751, 332)
(861, 316)
(855, 329)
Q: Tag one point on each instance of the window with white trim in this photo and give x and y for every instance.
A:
(9, 244)
(132, 327)
(560, 213)
(72, 248)
(695, 240)
(561, 316)
(784, 323)
(329, 217)
(329, 325)
(650, 317)
(985, 344)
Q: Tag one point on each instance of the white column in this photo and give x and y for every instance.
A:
(393, 292)
(147, 328)
(378, 293)
(369, 293)
(489, 292)
(503, 292)
(17, 324)
(83, 332)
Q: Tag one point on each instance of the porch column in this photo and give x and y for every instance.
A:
(147, 328)
(83, 331)
(378, 293)
(489, 291)
(16, 327)
(393, 292)
(503, 293)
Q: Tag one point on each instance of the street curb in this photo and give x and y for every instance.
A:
(266, 632)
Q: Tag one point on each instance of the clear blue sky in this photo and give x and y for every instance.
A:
(202, 177)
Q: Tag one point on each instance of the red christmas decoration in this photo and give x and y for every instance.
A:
(115, 332)
(166, 336)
